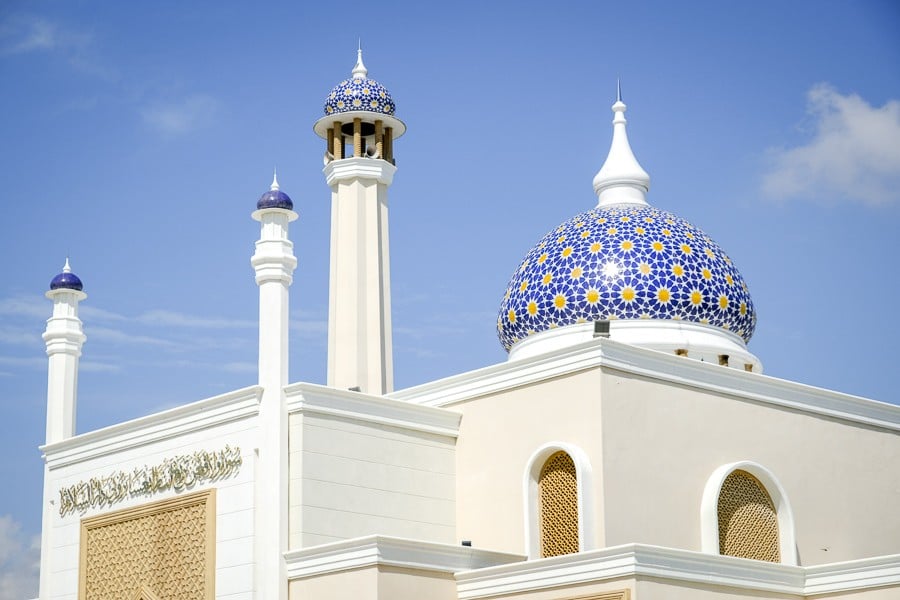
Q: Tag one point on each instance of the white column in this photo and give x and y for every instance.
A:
(274, 263)
(64, 338)
(359, 315)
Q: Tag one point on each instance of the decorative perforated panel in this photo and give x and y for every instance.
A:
(748, 523)
(162, 550)
(558, 491)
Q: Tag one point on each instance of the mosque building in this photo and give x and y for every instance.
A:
(630, 448)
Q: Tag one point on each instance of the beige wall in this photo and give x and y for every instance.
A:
(650, 589)
(498, 435)
(661, 442)
(350, 478)
(376, 583)
(652, 446)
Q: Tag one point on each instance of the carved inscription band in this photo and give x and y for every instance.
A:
(176, 473)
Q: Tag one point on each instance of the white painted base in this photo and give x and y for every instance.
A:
(702, 342)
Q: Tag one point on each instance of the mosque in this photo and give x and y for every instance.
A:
(630, 447)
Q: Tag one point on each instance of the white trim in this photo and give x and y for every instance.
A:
(853, 575)
(583, 480)
(660, 366)
(639, 560)
(709, 517)
(176, 422)
(359, 406)
(377, 550)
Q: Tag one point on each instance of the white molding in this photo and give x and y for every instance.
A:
(175, 422)
(639, 560)
(709, 509)
(345, 169)
(661, 366)
(377, 550)
(319, 399)
(853, 575)
(583, 479)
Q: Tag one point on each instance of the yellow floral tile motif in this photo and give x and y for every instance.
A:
(658, 267)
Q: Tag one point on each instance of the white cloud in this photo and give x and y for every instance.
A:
(31, 34)
(25, 306)
(194, 112)
(853, 156)
(168, 317)
(20, 558)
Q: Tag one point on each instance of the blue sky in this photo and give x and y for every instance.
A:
(137, 138)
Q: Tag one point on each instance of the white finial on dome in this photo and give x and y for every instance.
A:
(359, 71)
(67, 268)
(275, 187)
(621, 179)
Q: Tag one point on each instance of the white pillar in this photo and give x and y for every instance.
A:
(64, 338)
(274, 263)
(359, 315)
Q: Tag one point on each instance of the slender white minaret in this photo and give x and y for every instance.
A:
(621, 179)
(64, 338)
(274, 263)
(360, 128)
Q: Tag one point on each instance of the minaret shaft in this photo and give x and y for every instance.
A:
(274, 264)
(359, 319)
(64, 338)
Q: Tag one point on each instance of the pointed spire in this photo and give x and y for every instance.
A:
(621, 179)
(66, 267)
(359, 71)
(275, 187)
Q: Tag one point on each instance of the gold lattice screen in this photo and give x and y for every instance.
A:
(558, 492)
(163, 550)
(748, 523)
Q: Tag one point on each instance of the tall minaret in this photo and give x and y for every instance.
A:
(359, 127)
(64, 338)
(274, 263)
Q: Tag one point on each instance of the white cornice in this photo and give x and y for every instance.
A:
(359, 168)
(203, 414)
(319, 399)
(396, 552)
(656, 365)
(638, 560)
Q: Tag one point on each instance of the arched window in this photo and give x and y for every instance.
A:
(558, 497)
(745, 512)
(748, 522)
(558, 494)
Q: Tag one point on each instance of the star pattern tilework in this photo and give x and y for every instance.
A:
(359, 94)
(624, 262)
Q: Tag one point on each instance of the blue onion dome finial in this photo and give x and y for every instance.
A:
(275, 198)
(625, 260)
(359, 93)
(67, 280)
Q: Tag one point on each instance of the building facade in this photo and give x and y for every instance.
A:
(630, 448)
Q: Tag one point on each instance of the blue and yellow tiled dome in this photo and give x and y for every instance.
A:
(359, 93)
(624, 261)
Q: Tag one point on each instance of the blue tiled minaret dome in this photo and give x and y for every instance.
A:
(359, 93)
(275, 198)
(67, 280)
(624, 259)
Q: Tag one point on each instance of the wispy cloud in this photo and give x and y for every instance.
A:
(177, 118)
(27, 34)
(172, 318)
(853, 155)
(118, 336)
(15, 336)
(25, 306)
(20, 557)
(31, 362)
(22, 34)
